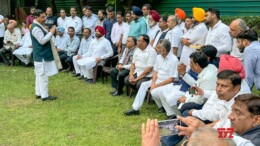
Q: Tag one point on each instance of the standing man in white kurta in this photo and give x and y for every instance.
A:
(44, 64)
(165, 70)
(99, 49)
(218, 34)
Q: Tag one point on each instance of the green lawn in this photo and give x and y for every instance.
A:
(83, 114)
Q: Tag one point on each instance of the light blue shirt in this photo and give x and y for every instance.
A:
(252, 64)
(72, 45)
(138, 28)
(84, 44)
(89, 23)
(61, 42)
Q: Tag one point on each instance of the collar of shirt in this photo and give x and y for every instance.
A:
(216, 25)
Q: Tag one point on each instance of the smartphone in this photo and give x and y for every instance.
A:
(168, 127)
(192, 91)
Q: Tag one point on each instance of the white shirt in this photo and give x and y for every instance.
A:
(89, 22)
(182, 26)
(116, 32)
(166, 67)
(63, 22)
(14, 37)
(72, 45)
(158, 36)
(2, 27)
(126, 30)
(26, 40)
(84, 45)
(143, 59)
(196, 35)
(174, 36)
(210, 110)
(75, 22)
(100, 48)
(61, 42)
(235, 51)
(207, 79)
(152, 31)
(219, 37)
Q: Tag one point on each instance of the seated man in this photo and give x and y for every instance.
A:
(60, 39)
(24, 52)
(209, 111)
(70, 50)
(12, 39)
(143, 61)
(165, 70)
(119, 73)
(207, 76)
(83, 49)
(100, 48)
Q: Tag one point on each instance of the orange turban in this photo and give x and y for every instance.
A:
(228, 62)
(101, 30)
(180, 13)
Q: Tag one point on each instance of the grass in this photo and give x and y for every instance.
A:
(83, 114)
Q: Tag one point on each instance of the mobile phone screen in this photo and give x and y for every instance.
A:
(168, 127)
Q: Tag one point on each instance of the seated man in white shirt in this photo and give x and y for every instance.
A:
(143, 61)
(25, 50)
(100, 48)
(209, 111)
(60, 39)
(70, 50)
(83, 49)
(12, 39)
(207, 76)
(165, 70)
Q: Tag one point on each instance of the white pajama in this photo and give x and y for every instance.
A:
(24, 54)
(42, 71)
(167, 96)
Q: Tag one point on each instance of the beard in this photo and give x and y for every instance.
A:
(98, 35)
(151, 23)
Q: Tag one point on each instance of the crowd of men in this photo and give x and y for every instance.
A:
(196, 68)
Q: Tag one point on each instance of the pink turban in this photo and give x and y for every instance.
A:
(13, 22)
(101, 30)
(228, 62)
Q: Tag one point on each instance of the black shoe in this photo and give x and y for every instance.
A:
(171, 117)
(49, 98)
(37, 97)
(131, 112)
(90, 81)
(117, 93)
(161, 110)
(113, 91)
(81, 77)
(75, 75)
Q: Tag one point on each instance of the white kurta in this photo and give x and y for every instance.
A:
(152, 31)
(24, 52)
(174, 36)
(219, 37)
(196, 36)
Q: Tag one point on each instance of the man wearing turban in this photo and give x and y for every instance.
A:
(195, 36)
(99, 49)
(153, 20)
(138, 25)
(181, 15)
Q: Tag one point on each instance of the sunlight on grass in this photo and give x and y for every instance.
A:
(83, 114)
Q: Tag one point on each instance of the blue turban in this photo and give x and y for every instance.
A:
(60, 29)
(137, 11)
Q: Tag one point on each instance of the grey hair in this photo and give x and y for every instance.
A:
(164, 43)
(205, 136)
(174, 18)
(242, 24)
